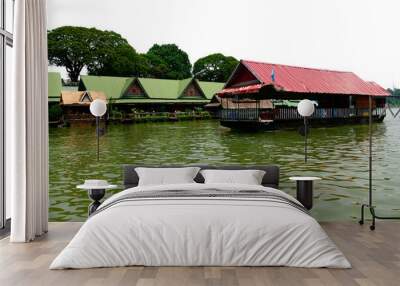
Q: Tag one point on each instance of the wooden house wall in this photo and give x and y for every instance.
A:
(135, 90)
(192, 90)
(77, 113)
(329, 101)
(363, 102)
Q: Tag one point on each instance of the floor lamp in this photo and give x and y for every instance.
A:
(305, 108)
(370, 204)
(98, 108)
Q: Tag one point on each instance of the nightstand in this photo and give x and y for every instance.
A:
(304, 190)
(96, 190)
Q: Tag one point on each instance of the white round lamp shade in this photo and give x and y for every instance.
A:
(98, 107)
(305, 108)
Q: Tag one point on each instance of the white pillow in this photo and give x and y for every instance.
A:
(248, 177)
(166, 176)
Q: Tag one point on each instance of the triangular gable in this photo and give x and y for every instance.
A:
(241, 76)
(135, 89)
(192, 90)
(86, 97)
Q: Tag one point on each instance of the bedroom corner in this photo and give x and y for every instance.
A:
(199, 142)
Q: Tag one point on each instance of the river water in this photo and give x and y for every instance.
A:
(339, 155)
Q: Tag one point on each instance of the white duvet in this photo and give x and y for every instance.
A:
(200, 231)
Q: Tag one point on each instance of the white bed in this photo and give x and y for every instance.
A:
(202, 231)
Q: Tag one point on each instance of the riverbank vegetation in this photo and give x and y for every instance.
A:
(56, 117)
(395, 101)
(135, 115)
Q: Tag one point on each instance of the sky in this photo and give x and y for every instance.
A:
(361, 36)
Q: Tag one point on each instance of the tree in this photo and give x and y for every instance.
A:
(142, 66)
(395, 100)
(168, 61)
(70, 47)
(214, 67)
(157, 67)
(112, 55)
(102, 52)
(394, 91)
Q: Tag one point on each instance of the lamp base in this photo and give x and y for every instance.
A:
(96, 195)
(304, 193)
(374, 216)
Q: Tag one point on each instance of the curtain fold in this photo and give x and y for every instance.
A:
(27, 124)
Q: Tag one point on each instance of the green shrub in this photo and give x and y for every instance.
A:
(55, 112)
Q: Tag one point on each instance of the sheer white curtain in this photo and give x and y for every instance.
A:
(27, 124)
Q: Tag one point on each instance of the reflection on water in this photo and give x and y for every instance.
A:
(339, 155)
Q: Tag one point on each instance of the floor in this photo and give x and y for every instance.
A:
(375, 257)
(5, 231)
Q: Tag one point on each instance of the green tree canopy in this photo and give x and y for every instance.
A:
(102, 52)
(214, 67)
(142, 66)
(112, 55)
(394, 100)
(70, 47)
(394, 91)
(108, 53)
(168, 61)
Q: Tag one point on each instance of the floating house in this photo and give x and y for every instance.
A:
(150, 94)
(342, 97)
(217, 105)
(129, 93)
(75, 104)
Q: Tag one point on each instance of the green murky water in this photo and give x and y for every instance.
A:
(339, 155)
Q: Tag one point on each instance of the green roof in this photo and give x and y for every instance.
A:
(113, 87)
(162, 89)
(156, 100)
(54, 85)
(210, 88)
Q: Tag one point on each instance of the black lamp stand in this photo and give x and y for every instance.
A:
(370, 204)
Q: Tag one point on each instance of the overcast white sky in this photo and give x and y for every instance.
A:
(362, 36)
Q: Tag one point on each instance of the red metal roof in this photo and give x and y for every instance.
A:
(241, 90)
(306, 80)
